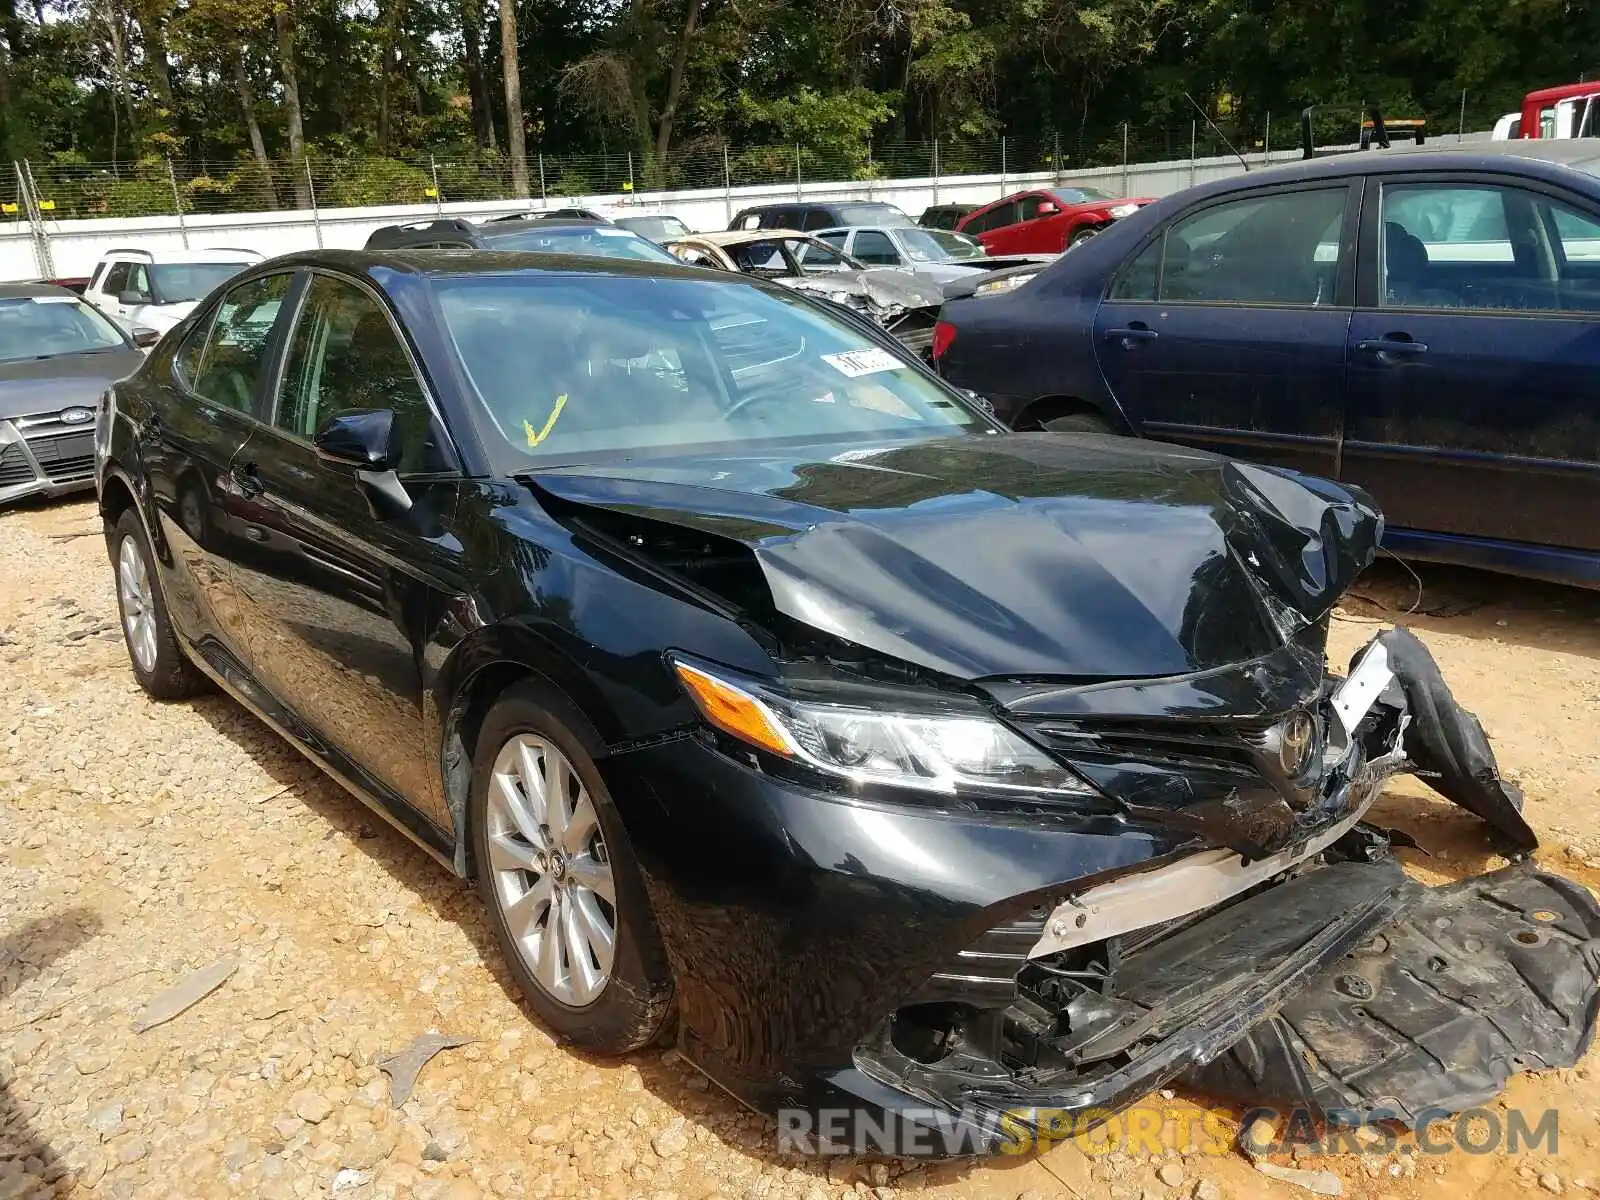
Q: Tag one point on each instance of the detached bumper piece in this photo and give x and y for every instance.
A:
(1476, 981)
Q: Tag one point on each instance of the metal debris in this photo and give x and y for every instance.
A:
(1320, 1183)
(185, 994)
(404, 1067)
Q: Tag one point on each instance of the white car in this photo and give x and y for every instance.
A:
(158, 288)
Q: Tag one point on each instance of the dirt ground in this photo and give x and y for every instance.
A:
(140, 842)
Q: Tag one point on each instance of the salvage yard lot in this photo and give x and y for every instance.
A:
(143, 841)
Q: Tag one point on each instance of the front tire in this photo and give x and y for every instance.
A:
(1083, 235)
(557, 873)
(159, 662)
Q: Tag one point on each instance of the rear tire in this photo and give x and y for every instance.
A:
(557, 873)
(159, 662)
(1078, 422)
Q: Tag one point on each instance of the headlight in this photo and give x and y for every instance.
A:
(932, 752)
(1008, 283)
(1123, 210)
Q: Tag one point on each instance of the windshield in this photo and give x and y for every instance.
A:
(657, 229)
(1080, 195)
(573, 368)
(179, 283)
(597, 241)
(938, 245)
(45, 326)
(870, 214)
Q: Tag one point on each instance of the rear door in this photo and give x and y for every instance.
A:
(1227, 331)
(1474, 382)
(338, 593)
(189, 443)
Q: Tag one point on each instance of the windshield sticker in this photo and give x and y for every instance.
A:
(56, 300)
(855, 363)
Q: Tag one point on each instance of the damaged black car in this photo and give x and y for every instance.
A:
(777, 698)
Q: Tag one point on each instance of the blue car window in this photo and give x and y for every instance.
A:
(1281, 248)
(1486, 248)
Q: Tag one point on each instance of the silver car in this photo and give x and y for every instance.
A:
(938, 256)
(58, 353)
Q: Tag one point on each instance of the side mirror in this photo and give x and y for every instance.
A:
(1046, 210)
(367, 442)
(144, 337)
(133, 298)
(361, 441)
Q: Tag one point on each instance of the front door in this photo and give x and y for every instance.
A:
(1474, 382)
(195, 430)
(338, 607)
(1227, 332)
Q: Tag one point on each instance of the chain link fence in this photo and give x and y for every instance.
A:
(65, 190)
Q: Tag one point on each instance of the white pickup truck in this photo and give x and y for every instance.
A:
(158, 288)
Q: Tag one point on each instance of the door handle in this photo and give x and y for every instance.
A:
(1132, 336)
(247, 478)
(1392, 347)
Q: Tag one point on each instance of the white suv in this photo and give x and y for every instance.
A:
(159, 288)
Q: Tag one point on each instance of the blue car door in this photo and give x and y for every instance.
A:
(1227, 331)
(1474, 380)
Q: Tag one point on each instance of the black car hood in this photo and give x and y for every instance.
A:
(47, 385)
(1019, 555)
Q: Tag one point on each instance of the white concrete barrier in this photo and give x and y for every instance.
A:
(75, 246)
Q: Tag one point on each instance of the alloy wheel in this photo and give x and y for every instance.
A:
(138, 604)
(551, 872)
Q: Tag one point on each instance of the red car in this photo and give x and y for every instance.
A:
(1045, 222)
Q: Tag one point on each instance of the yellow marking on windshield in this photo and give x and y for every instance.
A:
(535, 436)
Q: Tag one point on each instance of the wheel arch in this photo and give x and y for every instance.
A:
(479, 672)
(1035, 413)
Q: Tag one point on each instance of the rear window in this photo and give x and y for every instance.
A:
(598, 241)
(869, 214)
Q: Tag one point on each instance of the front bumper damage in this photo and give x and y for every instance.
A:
(1227, 969)
(1316, 976)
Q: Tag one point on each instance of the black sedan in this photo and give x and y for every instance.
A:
(1420, 323)
(922, 770)
(57, 355)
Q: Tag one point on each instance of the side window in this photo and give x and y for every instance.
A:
(117, 279)
(1275, 249)
(236, 354)
(345, 357)
(139, 279)
(997, 217)
(187, 360)
(818, 219)
(873, 247)
(1138, 279)
(1487, 248)
(835, 239)
(1028, 207)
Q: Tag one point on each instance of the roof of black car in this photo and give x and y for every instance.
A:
(491, 262)
(21, 291)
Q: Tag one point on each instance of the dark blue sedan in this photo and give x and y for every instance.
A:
(1423, 323)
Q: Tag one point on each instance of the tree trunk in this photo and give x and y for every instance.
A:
(477, 81)
(515, 143)
(158, 65)
(119, 78)
(258, 145)
(680, 63)
(387, 66)
(283, 23)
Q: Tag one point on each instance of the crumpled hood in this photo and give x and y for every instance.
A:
(37, 386)
(1020, 555)
(885, 287)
